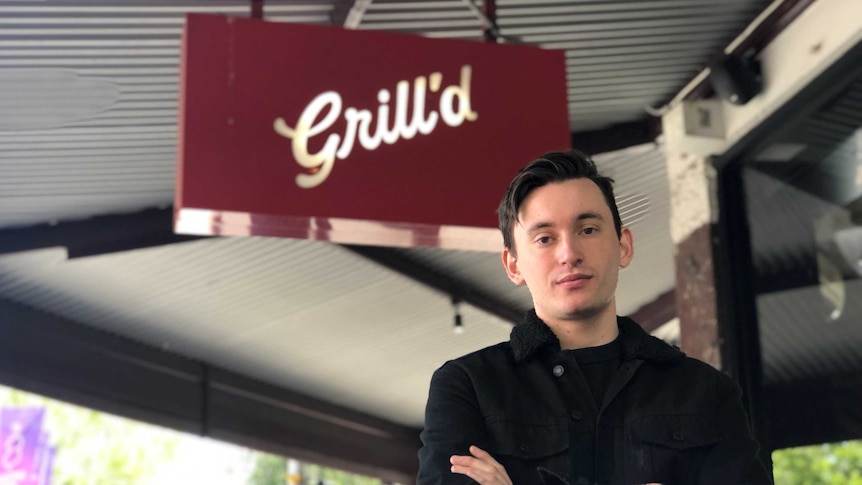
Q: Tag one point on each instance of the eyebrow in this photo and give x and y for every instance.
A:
(581, 217)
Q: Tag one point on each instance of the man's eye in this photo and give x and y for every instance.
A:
(590, 230)
(544, 240)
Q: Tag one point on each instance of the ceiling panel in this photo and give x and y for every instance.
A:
(88, 94)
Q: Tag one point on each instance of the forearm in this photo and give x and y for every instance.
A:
(453, 422)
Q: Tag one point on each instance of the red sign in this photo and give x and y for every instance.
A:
(357, 136)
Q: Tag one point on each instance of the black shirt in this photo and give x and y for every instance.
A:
(597, 364)
(589, 373)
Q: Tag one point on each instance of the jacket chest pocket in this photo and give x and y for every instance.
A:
(667, 449)
(522, 447)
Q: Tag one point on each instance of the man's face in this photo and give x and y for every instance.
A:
(568, 252)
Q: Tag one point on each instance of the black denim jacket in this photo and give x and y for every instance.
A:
(665, 418)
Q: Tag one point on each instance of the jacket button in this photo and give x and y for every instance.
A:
(558, 370)
(678, 437)
(577, 415)
(524, 448)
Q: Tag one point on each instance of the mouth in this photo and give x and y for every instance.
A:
(573, 280)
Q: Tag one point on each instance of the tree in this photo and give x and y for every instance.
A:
(272, 470)
(315, 474)
(269, 470)
(827, 464)
(95, 447)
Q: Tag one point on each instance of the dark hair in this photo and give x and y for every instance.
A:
(551, 167)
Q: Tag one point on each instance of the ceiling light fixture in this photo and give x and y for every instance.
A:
(456, 309)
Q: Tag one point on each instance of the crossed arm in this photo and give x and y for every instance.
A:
(481, 467)
(455, 438)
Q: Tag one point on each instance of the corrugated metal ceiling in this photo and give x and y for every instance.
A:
(88, 97)
(309, 316)
(622, 56)
(312, 316)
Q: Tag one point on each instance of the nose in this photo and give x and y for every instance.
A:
(569, 251)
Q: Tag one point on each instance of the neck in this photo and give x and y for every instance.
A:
(584, 332)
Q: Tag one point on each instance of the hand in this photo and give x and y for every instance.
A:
(481, 467)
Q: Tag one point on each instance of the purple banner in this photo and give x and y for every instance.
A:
(43, 463)
(25, 455)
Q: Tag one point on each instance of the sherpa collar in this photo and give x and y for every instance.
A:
(533, 335)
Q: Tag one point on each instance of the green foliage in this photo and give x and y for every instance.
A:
(827, 464)
(94, 447)
(269, 470)
(314, 474)
(272, 470)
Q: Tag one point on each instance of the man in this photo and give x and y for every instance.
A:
(579, 395)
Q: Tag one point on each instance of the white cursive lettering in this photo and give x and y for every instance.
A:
(462, 92)
(320, 163)
(359, 122)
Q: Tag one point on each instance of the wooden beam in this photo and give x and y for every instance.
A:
(656, 313)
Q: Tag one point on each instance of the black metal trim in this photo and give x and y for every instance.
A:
(97, 235)
(205, 400)
(736, 309)
(822, 410)
(735, 289)
(831, 81)
(256, 11)
(48, 355)
(618, 136)
(757, 40)
(65, 360)
(491, 32)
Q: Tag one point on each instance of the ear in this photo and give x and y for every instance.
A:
(627, 247)
(510, 262)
